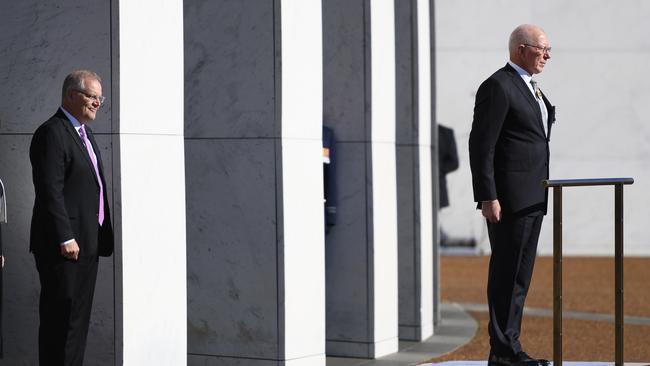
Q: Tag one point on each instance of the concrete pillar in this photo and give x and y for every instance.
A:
(361, 250)
(414, 182)
(253, 80)
(147, 69)
(435, 170)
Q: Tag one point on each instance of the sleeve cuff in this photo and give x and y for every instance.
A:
(67, 242)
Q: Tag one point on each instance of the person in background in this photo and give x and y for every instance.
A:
(447, 163)
(329, 177)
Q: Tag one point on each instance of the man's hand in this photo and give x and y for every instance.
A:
(70, 250)
(491, 210)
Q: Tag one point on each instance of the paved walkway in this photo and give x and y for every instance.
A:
(588, 301)
(456, 328)
(588, 289)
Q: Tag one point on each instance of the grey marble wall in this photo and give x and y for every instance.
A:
(347, 111)
(408, 175)
(231, 159)
(349, 244)
(41, 42)
(407, 169)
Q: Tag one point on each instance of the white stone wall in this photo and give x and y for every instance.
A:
(597, 78)
(151, 208)
(424, 156)
(302, 187)
(384, 256)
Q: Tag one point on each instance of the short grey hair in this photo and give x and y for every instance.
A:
(522, 35)
(76, 80)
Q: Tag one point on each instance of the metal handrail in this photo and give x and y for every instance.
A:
(586, 182)
(557, 185)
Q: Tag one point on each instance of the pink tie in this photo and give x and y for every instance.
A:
(93, 158)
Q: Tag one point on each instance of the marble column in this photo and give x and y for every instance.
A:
(147, 77)
(435, 170)
(359, 105)
(253, 97)
(414, 183)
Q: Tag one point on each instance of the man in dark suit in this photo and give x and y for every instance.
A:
(447, 160)
(71, 223)
(509, 156)
(447, 163)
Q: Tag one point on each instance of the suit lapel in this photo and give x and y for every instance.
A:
(523, 89)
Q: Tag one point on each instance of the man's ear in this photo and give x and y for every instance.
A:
(521, 49)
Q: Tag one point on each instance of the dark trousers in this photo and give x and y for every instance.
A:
(514, 245)
(67, 289)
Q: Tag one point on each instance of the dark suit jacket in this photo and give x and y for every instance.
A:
(508, 150)
(67, 192)
(447, 160)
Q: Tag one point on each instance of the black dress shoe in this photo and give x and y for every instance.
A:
(523, 359)
(494, 360)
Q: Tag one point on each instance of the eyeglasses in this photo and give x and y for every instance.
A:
(97, 98)
(546, 50)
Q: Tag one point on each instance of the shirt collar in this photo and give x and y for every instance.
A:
(72, 120)
(523, 73)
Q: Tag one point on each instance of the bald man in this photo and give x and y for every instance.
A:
(509, 157)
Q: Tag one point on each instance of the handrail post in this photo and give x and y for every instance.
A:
(618, 254)
(557, 276)
(557, 259)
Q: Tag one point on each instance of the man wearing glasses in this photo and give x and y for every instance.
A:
(71, 223)
(509, 157)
